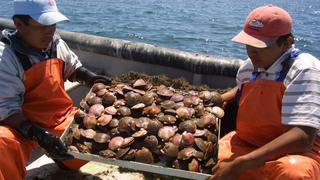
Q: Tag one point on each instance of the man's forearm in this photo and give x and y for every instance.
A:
(14, 121)
(229, 95)
(45, 139)
(297, 139)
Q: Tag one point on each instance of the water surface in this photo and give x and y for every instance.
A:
(204, 26)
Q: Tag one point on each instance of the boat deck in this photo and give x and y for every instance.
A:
(42, 167)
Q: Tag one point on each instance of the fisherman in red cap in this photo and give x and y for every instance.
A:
(278, 92)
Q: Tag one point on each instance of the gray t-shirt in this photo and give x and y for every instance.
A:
(11, 71)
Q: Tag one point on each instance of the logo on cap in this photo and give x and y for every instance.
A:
(256, 24)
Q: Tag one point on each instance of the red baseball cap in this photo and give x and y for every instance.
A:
(264, 25)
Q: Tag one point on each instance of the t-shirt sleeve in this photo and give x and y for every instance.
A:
(11, 85)
(301, 101)
(72, 61)
(244, 72)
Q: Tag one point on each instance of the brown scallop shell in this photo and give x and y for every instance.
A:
(144, 155)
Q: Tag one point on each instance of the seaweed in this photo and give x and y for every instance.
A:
(156, 80)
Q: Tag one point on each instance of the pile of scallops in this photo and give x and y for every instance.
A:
(150, 124)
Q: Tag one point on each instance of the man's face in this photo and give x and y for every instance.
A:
(265, 57)
(34, 34)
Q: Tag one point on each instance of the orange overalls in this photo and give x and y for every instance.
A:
(45, 103)
(259, 122)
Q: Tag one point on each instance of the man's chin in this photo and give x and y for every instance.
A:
(45, 45)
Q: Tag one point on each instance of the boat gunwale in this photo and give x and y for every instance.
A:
(146, 53)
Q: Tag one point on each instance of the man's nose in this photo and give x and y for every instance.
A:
(251, 49)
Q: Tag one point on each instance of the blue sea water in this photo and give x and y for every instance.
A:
(204, 26)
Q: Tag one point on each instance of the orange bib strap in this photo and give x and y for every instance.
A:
(45, 101)
(259, 113)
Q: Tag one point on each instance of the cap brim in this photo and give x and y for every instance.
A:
(50, 18)
(253, 40)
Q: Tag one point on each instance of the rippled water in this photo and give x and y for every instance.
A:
(192, 25)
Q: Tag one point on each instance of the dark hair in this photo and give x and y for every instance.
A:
(283, 39)
(24, 18)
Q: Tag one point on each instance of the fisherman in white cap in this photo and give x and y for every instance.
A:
(34, 107)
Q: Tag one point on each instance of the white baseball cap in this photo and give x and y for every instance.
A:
(43, 11)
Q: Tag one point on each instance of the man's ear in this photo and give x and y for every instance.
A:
(290, 40)
(18, 23)
(288, 43)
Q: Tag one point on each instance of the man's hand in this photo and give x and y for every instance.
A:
(225, 170)
(88, 77)
(53, 145)
(100, 79)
